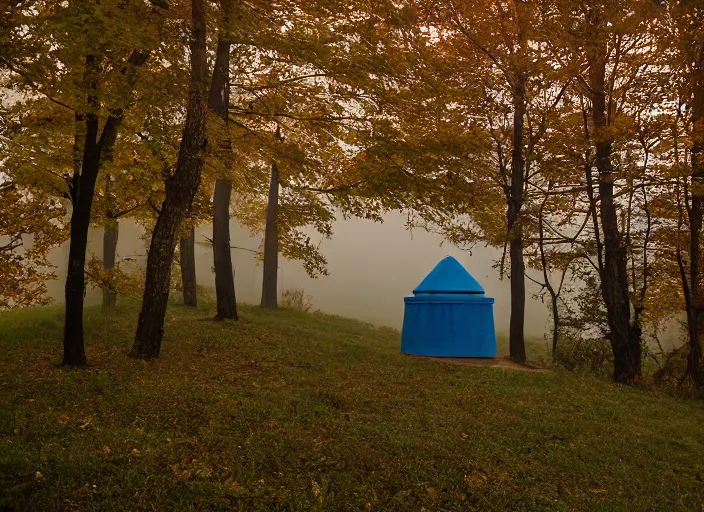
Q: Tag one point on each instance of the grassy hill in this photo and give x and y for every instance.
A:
(287, 411)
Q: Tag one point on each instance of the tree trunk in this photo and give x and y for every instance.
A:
(110, 236)
(546, 276)
(86, 165)
(85, 173)
(590, 193)
(224, 275)
(696, 311)
(87, 150)
(695, 318)
(692, 326)
(625, 340)
(518, 301)
(555, 323)
(82, 190)
(517, 345)
(218, 100)
(181, 188)
(271, 244)
(187, 250)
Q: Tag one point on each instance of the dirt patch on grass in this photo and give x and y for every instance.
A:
(499, 362)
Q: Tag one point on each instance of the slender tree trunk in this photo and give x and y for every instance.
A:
(218, 100)
(187, 251)
(518, 286)
(555, 324)
(82, 191)
(546, 276)
(688, 296)
(181, 188)
(625, 340)
(695, 318)
(110, 236)
(85, 173)
(271, 244)
(224, 275)
(518, 301)
(590, 191)
(594, 214)
(696, 311)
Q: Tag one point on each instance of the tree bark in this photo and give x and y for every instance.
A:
(187, 251)
(625, 339)
(82, 191)
(695, 314)
(517, 346)
(181, 188)
(271, 244)
(590, 193)
(555, 324)
(546, 276)
(110, 236)
(85, 173)
(218, 100)
(224, 274)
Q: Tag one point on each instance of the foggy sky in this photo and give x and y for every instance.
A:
(372, 267)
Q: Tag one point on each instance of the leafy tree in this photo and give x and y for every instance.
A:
(34, 217)
(180, 189)
(82, 59)
(219, 102)
(603, 45)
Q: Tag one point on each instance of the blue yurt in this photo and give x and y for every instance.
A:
(449, 315)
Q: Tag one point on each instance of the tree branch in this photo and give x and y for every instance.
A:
(277, 84)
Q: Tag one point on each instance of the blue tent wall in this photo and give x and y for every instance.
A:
(449, 315)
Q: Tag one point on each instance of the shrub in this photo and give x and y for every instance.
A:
(579, 354)
(672, 377)
(297, 298)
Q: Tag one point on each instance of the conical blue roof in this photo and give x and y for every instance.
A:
(449, 276)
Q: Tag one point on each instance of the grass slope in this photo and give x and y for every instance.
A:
(286, 411)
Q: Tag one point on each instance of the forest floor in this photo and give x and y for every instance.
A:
(503, 362)
(290, 411)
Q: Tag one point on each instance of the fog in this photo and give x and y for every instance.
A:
(372, 267)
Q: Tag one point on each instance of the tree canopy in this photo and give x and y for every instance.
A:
(566, 134)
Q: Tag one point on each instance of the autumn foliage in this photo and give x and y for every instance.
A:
(568, 134)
